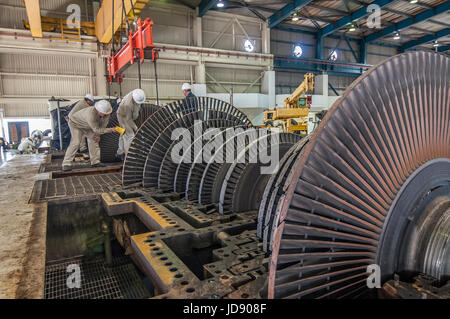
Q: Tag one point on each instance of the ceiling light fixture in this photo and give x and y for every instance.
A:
(352, 28)
(413, 1)
(295, 17)
(435, 44)
(220, 4)
(298, 51)
(397, 36)
(333, 56)
(249, 46)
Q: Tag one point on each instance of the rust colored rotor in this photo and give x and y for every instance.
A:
(381, 150)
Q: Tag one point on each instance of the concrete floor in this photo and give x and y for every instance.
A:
(23, 228)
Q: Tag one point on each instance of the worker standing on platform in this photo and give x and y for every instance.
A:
(82, 104)
(91, 123)
(190, 99)
(187, 90)
(127, 114)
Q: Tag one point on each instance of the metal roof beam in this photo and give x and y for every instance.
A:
(252, 9)
(420, 17)
(286, 11)
(419, 4)
(287, 28)
(444, 48)
(425, 39)
(439, 23)
(332, 10)
(204, 6)
(353, 17)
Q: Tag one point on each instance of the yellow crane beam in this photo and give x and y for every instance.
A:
(34, 17)
(104, 21)
(306, 86)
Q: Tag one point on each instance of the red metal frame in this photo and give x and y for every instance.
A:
(142, 38)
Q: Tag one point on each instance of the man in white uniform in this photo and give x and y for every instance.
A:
(82, 104)
(91, 123)
(127, 114)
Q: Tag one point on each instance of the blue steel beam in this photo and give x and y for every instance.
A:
(332, 88)
(332, 73)
(363, 51)
(351, 49)
(423, 16)
(444, 48)
(204, 6)
(351, 38)
(319, 47)
(286, 11)
(425, 39)
(289, 29)
(318, 65)
(354, 16)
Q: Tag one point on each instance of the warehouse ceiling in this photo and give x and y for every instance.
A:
(419, 23)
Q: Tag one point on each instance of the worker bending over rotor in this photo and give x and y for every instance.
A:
(127, 114)
(82, 104)
(91, 123)
(190, 100)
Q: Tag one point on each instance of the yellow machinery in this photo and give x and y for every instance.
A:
(67, 33)
(293, 118)
(59, 25)
(101, 28)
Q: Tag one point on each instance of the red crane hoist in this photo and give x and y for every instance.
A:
(132, 51)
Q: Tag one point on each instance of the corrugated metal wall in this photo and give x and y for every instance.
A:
(29, 80)
(229, 32)
(170, 79)
(281, 43)
(242, 81)
(242, 27)
(35, 78)
(173, 23)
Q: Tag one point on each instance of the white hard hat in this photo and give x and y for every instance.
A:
(103, 106)
(186, 86)
(139, 96)
(89, 97)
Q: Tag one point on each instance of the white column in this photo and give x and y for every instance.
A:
(91, 78)
(198, 37)
(100, 78)
(265, 36)
(199, 88)
(268, 87)
(321, 84)
(1, 122)
(200, 73)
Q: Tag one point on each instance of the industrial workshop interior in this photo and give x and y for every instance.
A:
(225, 149)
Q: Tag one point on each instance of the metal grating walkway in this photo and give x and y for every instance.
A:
(98, 281)
(74, 186)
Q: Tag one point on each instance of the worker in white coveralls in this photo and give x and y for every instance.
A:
(91, 123)
(82, 104)
(127, 114)
(26, 146)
